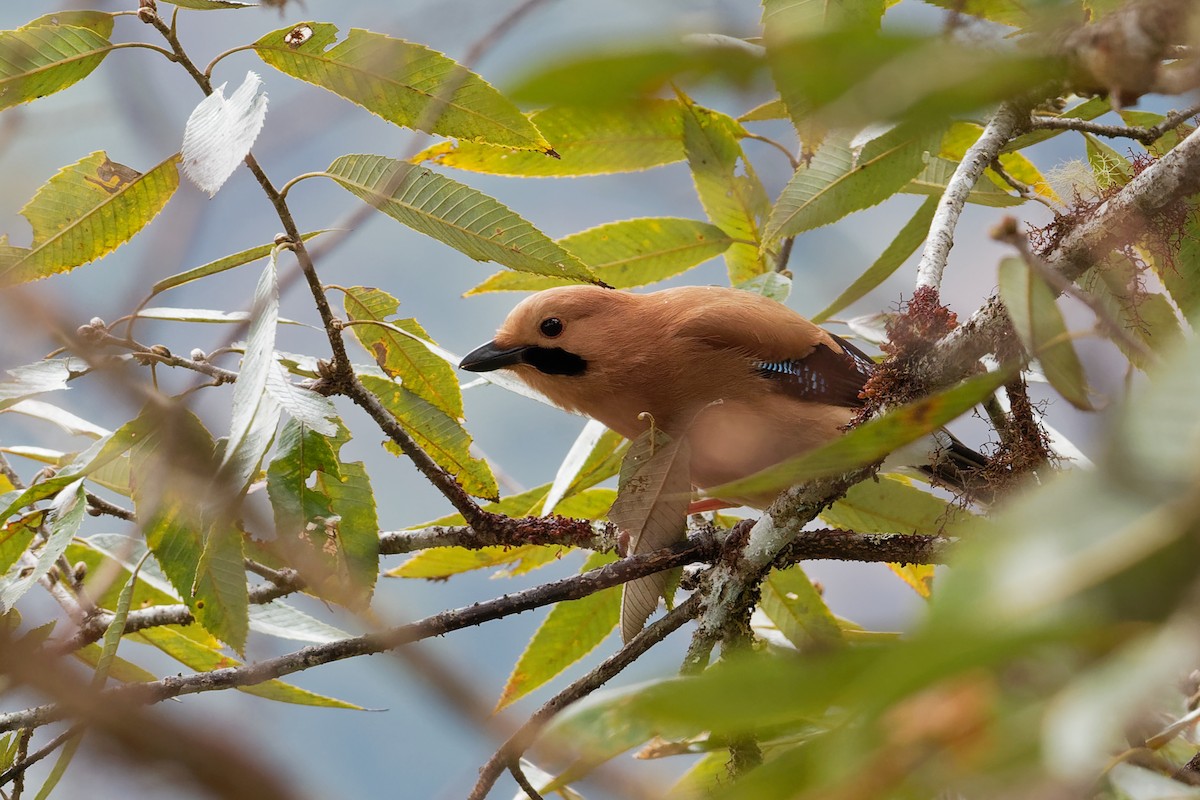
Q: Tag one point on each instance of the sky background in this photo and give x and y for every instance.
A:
(134, 107)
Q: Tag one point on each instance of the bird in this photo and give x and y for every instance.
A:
(748, 381)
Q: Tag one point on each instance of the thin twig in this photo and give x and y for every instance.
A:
(795, 162)
(1145, 135)
(1022, 188)
(520, 741)
(17, 770)
(98, 505)
(514, 769)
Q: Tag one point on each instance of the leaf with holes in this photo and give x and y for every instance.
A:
(456, 214)
(633, 252)
(51, 53)
(590, 140)
(405, 83)
(569, 632)
(420, 370)
(86, 211)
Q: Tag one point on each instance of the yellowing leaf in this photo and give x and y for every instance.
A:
(420, 371)
(933, 178)
(569, 632)
(961, 135)
(446, 441)
(590, 140)
(456, 214)
(790, 600)
(626, 254)
(86, 211)
(1039, 324)
(51, 53)
(729, 189)
(405, 83)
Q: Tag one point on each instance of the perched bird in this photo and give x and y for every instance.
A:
(747, 380)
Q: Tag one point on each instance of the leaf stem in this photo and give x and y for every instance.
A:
(220, 56)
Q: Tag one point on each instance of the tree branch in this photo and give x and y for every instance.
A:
(1003, 125)
(1145, 135)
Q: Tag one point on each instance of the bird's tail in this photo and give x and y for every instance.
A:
(958, 467)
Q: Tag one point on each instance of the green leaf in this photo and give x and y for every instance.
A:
(64, 521)
(352, 501)
(933, 178)
(220, 595)
(891, 505)
(1087, 110)
(1039, 324)
(838, 181)
(959, 138)
(590, 140)
(405, 83)
(446, 441)
(422, 372)
(790, 600)
(774, 285)
(871, 441)
(15, 538)
(633, 252)
(86, 211)
(568, 633)
(222, 264)
(1013, 13)
(455, 214)
(904, 245)
(616, 76)
(51, 53)
(729, 189)
(1180, 273)
(196, 656)
(772, 109)
(1147, 316)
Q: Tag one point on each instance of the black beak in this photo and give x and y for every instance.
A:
(490, 357)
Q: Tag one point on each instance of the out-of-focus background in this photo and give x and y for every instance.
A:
(134, 107)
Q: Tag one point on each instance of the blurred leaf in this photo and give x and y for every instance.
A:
(86, 211)
(772, 109)
(870, 441)
(600, 727)
(840, 181)
(1112, 170)
(729, 189)
(222, 264)
(429, 203)
(301, 404)
(255, 410)
(1039, 324)
(1148, 119)
(937, 173)
(1180, 272)
(48, 375)
(51, 53)
(221, 595)
(422, 373)
(284, 621)
(1134, 782)
(636, 71)
(1013, 13)
(790, 600)
(405, 83)
(220, 132)
(66, 514)
(1147, 316)
(904, 245)
(15, 538)
(633, 252)
(651, 510)
(119, 670)
(590, 140)
(65, 420)
(770, 284)
(569, 632)
(446, 441)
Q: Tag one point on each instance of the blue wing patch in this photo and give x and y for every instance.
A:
(823, 376)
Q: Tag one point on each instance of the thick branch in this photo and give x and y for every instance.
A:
(1003, 125)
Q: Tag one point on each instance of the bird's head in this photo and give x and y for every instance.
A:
(556, 332)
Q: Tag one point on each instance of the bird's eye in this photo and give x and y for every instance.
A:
(551, 326)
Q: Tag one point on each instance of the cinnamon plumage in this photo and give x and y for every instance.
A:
(749, 381)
